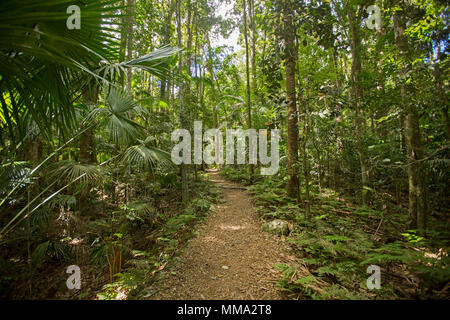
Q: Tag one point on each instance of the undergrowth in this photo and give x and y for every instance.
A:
(335, 245)
(172, 233)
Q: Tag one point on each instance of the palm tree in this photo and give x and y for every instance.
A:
(43, 64)
(146, 156)
(114, 115)
(45, 68)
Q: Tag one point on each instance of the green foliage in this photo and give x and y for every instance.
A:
(139, 210)
(69, 171)
(63, 96)
(50, 249)
(97, 254)
(62, 200)
(119, 289)
(115, 116)
(176, 223)
(239, 174)
(146, 157)
(44, 62)
(201, 206)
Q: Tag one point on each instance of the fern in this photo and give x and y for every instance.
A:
(59, 251)
(391, 252)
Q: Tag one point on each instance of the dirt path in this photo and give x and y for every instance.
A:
(231, 258)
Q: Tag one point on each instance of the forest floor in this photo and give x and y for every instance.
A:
(230, 258)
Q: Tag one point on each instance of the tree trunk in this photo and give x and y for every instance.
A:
(291, 99)
(88, 153)
(247, 69)
(357, 95)
(439, 83)
(416, 177)
(123, 41)
(213, 88)
(130, 43)
(166, 41)
(253, 46)
(306, 122)
(183, 169)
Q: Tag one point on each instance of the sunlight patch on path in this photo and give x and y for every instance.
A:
(231, 236)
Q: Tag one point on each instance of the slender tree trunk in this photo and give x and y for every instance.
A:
(183, 169)
(355, 26)
(247, 68)
(253, 46)
(416, 176)
(123, 40)
(305, 103)
(33, 150)
(391, 138)
(439, 83)
(197, 91)
(189, 51)
(166, 41)
(88, 153)
(213, 87)
(130, 43)
(188, 96)
(291, 99)
(202, 84)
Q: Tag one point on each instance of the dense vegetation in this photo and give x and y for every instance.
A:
(87, 114)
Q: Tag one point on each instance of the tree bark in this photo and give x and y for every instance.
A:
(247, 68)
(130, 43)
(416, 177)
(291, 99)
(166, 41)
(439, 83)
(357, 95)
(213, 88)
(88, 152)
(123, 40)
(253, 46)
(183, 168)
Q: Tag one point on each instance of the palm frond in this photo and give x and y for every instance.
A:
(146, 157)
(62, 200)
(119, 101)
(115, 117)
(43, 63)
(13, 173)
(157, 63)
(69, 171)
(142, 207)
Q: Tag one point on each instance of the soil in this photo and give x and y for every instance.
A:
(230, 258)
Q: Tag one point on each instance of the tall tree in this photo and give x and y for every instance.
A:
(123, 38)
(291, 99)
(354, 19)
(87, 143)
(130, 43)
(167, 32)
(183, 168)
(213, 83)
(253, 45)
(247, 70)
(414, 152)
